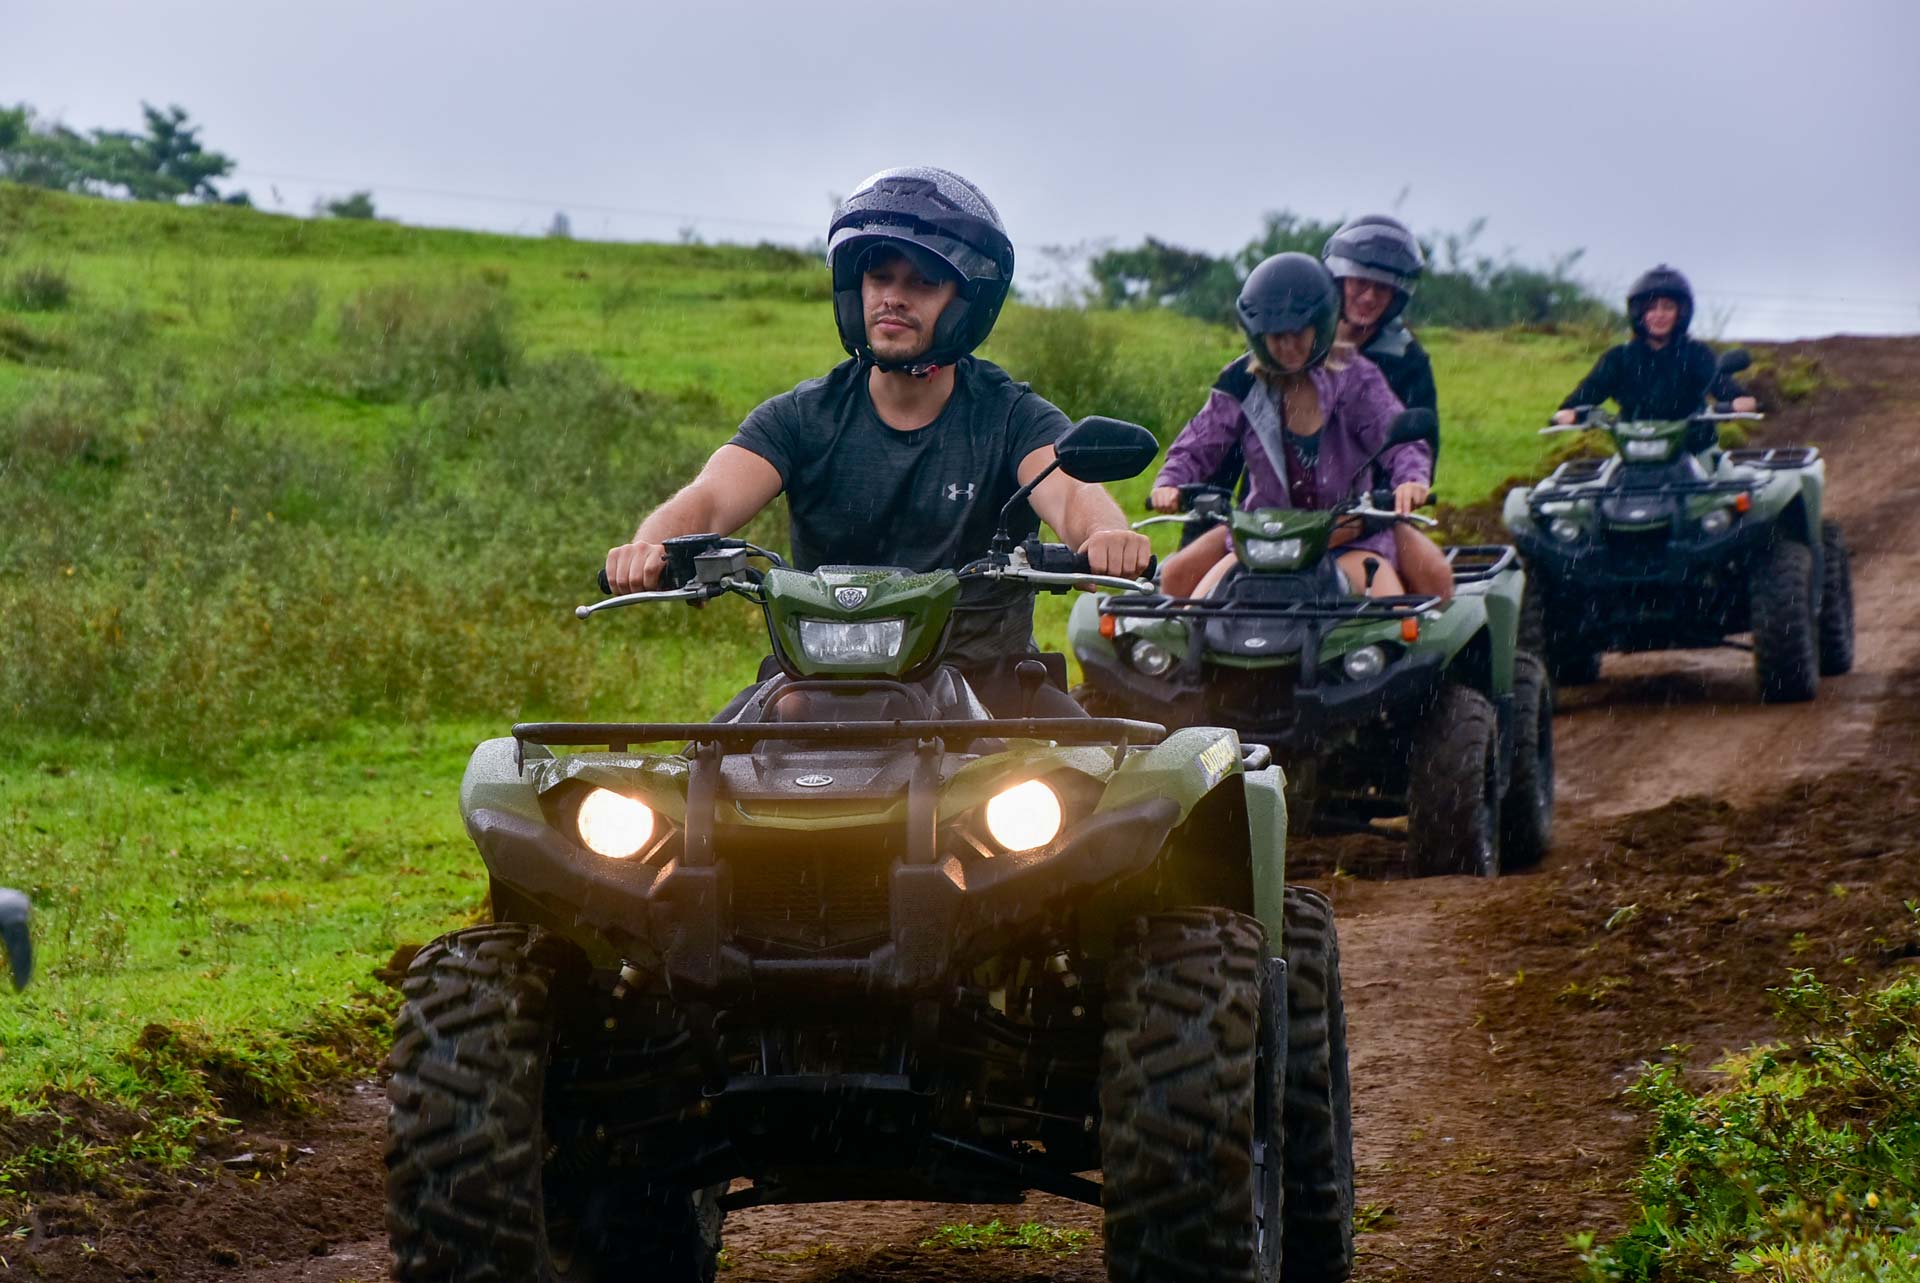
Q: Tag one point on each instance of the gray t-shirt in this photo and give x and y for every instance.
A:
(864, 494)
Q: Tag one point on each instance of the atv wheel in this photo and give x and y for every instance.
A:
(1318, 1170)
(1836, 603)
(1453, 797)
(1568, 663)
(1526, 813)
(1190, 1139)
(1786, 646)
(474, 1190)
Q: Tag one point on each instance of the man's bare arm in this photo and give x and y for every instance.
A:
(729, 492)
(1086, 516)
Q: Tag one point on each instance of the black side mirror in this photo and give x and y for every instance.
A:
(1102, 449)
(1734, 360)
(1412, 425)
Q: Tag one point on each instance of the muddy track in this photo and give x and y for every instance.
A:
(1706, 843)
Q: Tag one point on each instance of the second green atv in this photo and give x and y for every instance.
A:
(862, 941)
(1378, 707)
(1674, 543)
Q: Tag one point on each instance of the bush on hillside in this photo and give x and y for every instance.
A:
(407, 342)
(37, 287)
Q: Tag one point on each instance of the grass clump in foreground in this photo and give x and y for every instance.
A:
(1028, 1236)
(1804, 1165)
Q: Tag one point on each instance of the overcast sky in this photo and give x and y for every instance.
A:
(1767, 147)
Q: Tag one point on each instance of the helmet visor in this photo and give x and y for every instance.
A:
(935, 254)
(1342, 268)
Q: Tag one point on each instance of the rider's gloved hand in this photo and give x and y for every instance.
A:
(636, 566)
(1745, 405)
(1117, 552)
(1164, 499)
(1409, 495)
(1566, 416)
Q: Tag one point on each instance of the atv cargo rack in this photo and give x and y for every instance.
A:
(1545, 494)
(1479, 563)
(1201, 609)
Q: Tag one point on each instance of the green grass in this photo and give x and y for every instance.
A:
(1028, 1236)
(1801, 1163)
(296, 513)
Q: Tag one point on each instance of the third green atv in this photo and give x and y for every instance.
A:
(1673, 542)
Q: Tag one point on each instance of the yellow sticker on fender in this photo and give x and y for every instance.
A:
(1217, 759)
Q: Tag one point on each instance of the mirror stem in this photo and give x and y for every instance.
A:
(1002, 541)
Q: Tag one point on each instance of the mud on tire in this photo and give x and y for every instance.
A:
(1185, 1099)
(1526, 813)
(1318, 1116)
(1453, 813)
(1836, 602)
(471, 1197)
(1786, 646)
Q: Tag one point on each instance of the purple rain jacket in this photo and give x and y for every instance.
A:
(1358, 408)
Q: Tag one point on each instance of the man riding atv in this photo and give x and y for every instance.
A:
(1660, 373)
(904, 454)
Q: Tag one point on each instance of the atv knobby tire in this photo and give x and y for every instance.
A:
(1318, 1118)
(1526, 813)
(1453, 789)
(468, 1197)
(1836, 602)
(1190, 1073)
(1786, 642)
(1568, 663)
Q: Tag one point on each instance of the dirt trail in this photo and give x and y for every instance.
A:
(1493, 1026)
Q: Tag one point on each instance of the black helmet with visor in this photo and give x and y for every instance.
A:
(1660, 282)
(1289, 292)
(1377, 248)
(949, 230)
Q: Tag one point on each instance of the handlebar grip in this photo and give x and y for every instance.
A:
(1058, 559)
(605, 587)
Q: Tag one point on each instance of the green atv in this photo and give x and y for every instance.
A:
(1378, 707)
(1673, 542)
(862, 941)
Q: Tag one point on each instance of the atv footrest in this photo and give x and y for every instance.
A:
(1776, 458)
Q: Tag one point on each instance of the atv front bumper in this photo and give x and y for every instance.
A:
(941, 911)
(1267, 705)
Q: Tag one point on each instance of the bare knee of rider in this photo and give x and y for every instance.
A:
(1180, 574)
(1212, 580)
(1369, 574)
(1422, 563)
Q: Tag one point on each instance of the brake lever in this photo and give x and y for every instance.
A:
(692, 592)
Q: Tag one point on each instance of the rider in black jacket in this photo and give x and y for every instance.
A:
(1661, 373)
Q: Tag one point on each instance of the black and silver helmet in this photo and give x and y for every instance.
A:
(1289, 292)
(943, 223)
(1375, 247)
(1660, 282)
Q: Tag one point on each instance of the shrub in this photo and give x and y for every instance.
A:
(411, 341)
(38, 287)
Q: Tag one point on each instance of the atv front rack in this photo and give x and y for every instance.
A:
(736, 736)
(1545, 494)
(1200, 609)
(1478, 563)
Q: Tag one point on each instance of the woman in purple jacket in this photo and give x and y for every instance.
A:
(1305, 416)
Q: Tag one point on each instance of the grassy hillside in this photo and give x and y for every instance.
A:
(297, 511)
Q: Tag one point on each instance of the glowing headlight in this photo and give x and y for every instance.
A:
(827, 641)
(1647, 451)
(1273, 552)
(1365, 662)
(1150, 658)
(613, 824)
(1715, 522)
(1565, 529)
(1024, 816)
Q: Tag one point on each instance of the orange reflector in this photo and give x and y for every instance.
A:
(1742, 502)
(1409, 630)
(1107, 627)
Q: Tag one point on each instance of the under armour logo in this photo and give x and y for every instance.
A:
(957, 492)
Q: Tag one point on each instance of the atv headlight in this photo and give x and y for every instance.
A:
(1274, 552)
(1716, 522)
(828, 641)
(613, 824)
(1648, 451)
(1364, 662)
(1024, 817)
(1148, 657)
(1565, 529)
